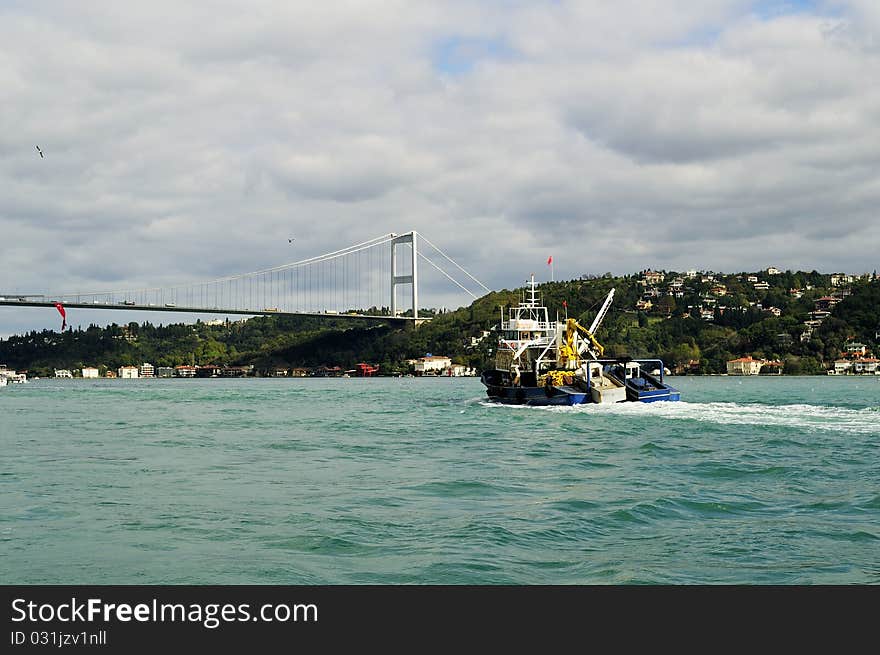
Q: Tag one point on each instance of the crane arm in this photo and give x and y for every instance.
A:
(601, 315)
(571, 326)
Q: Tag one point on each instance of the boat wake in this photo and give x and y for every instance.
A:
(800, 416)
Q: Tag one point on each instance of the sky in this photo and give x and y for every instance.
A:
(185, 143)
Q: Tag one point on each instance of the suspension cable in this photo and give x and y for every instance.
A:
(452, 279)
(425, 239)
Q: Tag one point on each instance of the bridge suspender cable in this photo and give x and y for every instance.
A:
(425, 239)
(377, 241)
(452, 279)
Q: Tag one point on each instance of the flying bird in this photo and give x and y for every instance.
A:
(40, 151)
(290, 241)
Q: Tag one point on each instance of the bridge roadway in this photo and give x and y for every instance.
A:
(15, 302)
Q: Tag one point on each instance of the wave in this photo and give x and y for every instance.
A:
(801, 416)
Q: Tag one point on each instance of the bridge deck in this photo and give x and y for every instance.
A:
(15, 302)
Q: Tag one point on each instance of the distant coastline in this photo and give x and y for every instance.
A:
(770, 321)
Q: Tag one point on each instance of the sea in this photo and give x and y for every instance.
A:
(748, 480)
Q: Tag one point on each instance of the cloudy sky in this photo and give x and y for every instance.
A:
(184, 143)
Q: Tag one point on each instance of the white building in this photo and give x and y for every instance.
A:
(865, 365)
(63, 373)
(773, 271)
(90, 372)
(432, 365)
(127, 372)
(147, 370)
(855, 348)
(744, 366)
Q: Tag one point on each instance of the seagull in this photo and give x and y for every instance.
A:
(39, 151)
(290, 241)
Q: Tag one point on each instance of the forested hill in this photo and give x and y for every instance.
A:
(695, 323)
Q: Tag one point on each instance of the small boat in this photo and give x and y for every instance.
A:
(640, 385)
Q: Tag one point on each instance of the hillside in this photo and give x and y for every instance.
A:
(695, 323)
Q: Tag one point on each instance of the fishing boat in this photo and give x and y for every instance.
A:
(544, 362)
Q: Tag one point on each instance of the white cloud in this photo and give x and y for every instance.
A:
(184, 143)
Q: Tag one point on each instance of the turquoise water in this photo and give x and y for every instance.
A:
(751, 480)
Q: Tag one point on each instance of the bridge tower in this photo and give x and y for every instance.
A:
(413, 280)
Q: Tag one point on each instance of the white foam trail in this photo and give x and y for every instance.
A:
(798, 416)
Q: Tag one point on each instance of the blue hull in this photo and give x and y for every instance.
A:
(646, 388)
(652, 396)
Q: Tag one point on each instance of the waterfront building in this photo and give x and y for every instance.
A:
(185, 371)
(164, 372)
(236, 371)
(63, 373)
(127, 372)
(90, 372)
(147, 370)
(865, 365)
(744, 366)
(432, 364)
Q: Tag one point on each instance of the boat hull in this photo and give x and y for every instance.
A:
(654, 395)
(508, 394)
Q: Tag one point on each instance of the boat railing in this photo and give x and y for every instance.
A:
(517, 325)
(637, 360)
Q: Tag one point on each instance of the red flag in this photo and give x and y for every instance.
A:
(549, 260)
(61, 311)
(565, 304)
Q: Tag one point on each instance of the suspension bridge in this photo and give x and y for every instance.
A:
(374, 279)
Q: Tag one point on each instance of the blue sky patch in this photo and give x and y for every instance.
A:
(458, 55)
(769, 9)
